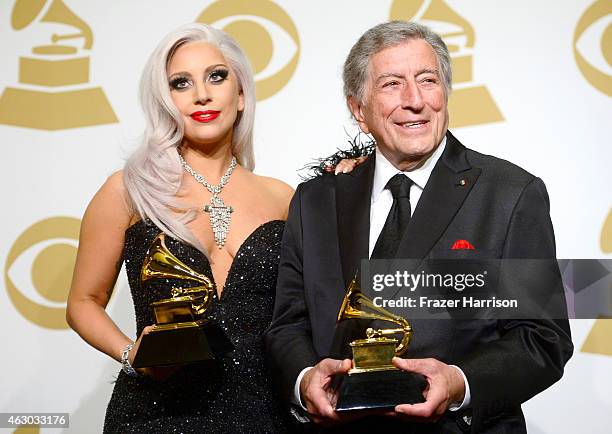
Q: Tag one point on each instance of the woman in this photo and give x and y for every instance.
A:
(198, 96)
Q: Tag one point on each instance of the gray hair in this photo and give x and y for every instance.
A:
(153, 173)
(387, 35)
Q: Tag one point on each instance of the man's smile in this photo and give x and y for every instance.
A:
(413, 125)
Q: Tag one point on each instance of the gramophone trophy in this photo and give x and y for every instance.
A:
(55, 93)
(373, 382)
(181, 333)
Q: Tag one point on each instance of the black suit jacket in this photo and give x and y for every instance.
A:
(501, 209)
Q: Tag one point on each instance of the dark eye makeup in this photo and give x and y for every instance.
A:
(218, 75)
(179, 82)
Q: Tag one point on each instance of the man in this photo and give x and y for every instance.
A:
(420, 193)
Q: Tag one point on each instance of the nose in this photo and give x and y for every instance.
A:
(412, 99)
(201, 95)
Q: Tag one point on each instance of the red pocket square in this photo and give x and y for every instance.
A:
(462, 245)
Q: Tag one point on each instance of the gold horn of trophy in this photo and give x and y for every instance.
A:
(182, 334)
(47, 100)
(374, 382)
(376, 351)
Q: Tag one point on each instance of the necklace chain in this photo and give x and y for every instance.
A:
(219, 213)
(214, 189)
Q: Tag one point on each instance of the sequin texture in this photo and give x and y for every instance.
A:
(234, 394)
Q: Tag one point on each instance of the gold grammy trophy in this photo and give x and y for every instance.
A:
(469, 103)
(48, 99)
(373, 382)
(181, 333)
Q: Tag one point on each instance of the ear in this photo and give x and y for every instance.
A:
(355, 108)
(240, 101)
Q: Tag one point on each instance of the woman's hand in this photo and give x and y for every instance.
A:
(134, 350)
(346, 165)
(157, 373)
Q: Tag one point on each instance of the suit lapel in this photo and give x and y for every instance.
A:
(449, 184)
(353, 193)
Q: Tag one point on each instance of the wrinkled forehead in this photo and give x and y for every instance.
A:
(408, 57)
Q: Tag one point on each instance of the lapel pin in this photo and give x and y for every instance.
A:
(462, 183)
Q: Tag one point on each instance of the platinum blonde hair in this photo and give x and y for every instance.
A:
(385, 35)
(153, 173)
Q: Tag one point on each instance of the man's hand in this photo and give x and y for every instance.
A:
(445, 386)
(316, 392)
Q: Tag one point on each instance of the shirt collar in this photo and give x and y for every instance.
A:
(384, 171)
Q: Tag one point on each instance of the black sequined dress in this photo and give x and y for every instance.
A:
(232, 395)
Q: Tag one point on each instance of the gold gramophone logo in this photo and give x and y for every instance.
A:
(46, 98)
(266, 34)
(599, 340)
(593, 45)
(470, 103)
(38, 284)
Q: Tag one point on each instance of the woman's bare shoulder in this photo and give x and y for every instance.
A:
(115, 183)
(112, 199)
(276, 187)
(274, 192)
(114, 189)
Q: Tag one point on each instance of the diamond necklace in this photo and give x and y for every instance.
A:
(220, 214)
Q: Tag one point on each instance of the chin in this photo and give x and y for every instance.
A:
(417, 151)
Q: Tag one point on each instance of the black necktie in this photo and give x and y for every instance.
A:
(397, 220)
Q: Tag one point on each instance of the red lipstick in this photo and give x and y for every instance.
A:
(205, 116)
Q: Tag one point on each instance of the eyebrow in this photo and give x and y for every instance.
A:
(388, 75)
(428, 71)
(206, 71)
(396, 75)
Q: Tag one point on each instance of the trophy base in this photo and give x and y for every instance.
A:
(182, 343)
(379, 390)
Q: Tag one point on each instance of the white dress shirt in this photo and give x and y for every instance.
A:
(382, 200)
(380, 205)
